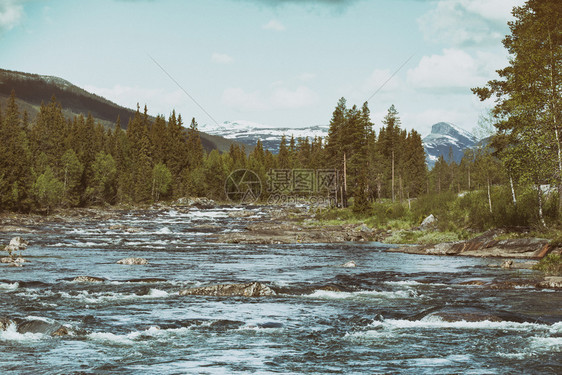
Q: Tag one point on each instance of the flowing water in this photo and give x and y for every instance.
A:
(376, 318)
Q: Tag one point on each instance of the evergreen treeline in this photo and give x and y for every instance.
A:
(53, 162)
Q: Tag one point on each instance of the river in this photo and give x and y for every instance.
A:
(375, 318)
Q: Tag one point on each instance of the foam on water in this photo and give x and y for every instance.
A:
(433, 322)
(325, 294)
(11, 334)
(9, 286)
(105, 297)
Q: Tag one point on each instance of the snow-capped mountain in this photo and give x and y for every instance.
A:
(445, 136)
(248, 133)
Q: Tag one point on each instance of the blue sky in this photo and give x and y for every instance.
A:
(278, 62)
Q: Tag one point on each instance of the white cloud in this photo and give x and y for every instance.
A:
(274, 25)
(453, 71)
(221, 58)
(11, 13)
(467, 21)
(277, 98)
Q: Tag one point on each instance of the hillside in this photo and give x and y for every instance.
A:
(32, 89)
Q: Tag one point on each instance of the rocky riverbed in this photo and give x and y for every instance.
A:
(154, 291)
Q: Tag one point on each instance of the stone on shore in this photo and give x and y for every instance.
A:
(517, 248)
(428, 223)
(254, 289)
(133, 261)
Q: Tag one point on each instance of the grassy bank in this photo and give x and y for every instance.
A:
(458, 217)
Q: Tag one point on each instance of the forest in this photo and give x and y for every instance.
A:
(515, 179)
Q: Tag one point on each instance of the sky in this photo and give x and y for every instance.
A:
(283, 63)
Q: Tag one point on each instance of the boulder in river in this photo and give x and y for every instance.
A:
(4, 323)
(88, 279)
(554, 282)
(45, 327)
(12, 260)
(350, 264)
(16, 243)
(133, 261)
(254, 289)
(472, 314)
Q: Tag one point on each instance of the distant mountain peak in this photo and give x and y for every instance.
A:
(445, 136)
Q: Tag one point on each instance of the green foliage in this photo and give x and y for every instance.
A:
(72, 171)
(550, 265)
(102, 187)
(47, 190)
(161, 179)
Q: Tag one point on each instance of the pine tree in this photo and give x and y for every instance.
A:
(14, 158)
(528, 95)
(72, 171)
(334, 143)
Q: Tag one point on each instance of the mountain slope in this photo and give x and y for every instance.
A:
(445, 137)
(32, 89)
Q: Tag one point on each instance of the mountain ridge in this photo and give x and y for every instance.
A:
(443, 135)
(33, 89)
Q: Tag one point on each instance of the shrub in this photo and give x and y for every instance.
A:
(550, 264)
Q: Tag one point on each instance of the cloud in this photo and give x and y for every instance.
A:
(11, 13)
(274, 25)
(221, 58)
(454, 71)
(277, 98)
(463, 22)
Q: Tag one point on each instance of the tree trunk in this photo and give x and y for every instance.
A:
(512, 191)
(489, 195)
(344, 197)
(393, 175)
(541, 216)
(553, 96)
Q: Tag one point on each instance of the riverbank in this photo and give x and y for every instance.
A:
(298, 225)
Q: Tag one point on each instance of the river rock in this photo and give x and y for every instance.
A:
(507, 264)
(133, 261)
(4, 323)
(349, 264)
(553, 282)
(196, 202)
(88, 279)
(16, 243)
(474, 314)
(42, 326)
(254, 289)
(241, 213)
